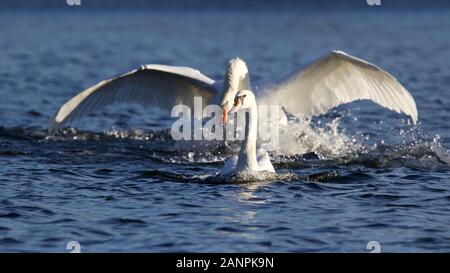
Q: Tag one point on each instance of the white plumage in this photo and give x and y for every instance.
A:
(333, 79)
(339, 78)
(251, 159)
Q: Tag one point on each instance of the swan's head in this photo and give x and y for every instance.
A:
(236, 78)
(244, 99)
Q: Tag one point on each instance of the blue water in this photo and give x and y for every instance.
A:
(117, 182)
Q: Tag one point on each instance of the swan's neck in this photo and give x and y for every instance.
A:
(237, 75)
(247, 156)
(236, 78)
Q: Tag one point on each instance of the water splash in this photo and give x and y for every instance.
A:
(302, 144)
(325, 141)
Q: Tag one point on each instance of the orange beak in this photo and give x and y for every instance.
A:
(224, 115)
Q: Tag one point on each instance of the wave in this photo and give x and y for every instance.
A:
(240, 178)
(302, 144)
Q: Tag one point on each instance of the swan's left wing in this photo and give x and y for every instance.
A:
(339, 78)
(153, 85)
(263, 159)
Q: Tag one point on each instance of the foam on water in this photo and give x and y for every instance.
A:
(301, 143)
(326, 141)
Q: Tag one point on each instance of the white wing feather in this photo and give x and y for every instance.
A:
(339, 78)
(159, 86)
(262, 157)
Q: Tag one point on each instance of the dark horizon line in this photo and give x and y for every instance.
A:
(208, 5)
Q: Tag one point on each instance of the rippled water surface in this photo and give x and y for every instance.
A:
(118, 182)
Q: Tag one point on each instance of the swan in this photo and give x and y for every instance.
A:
(335, 78)
(250, 158)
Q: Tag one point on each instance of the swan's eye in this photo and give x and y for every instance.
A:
(236, 101)
(239, 99)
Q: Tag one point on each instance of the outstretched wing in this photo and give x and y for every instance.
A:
(339, 78)
(153, 85)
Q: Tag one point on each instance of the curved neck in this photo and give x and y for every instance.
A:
(247, 156)
(236, 78)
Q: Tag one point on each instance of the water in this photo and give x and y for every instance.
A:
(118, 182)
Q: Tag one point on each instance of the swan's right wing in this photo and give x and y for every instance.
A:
(158, 86)
(230, 165)
(339, 78)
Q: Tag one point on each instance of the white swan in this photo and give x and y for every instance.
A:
(250, 158)
(333, 79)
